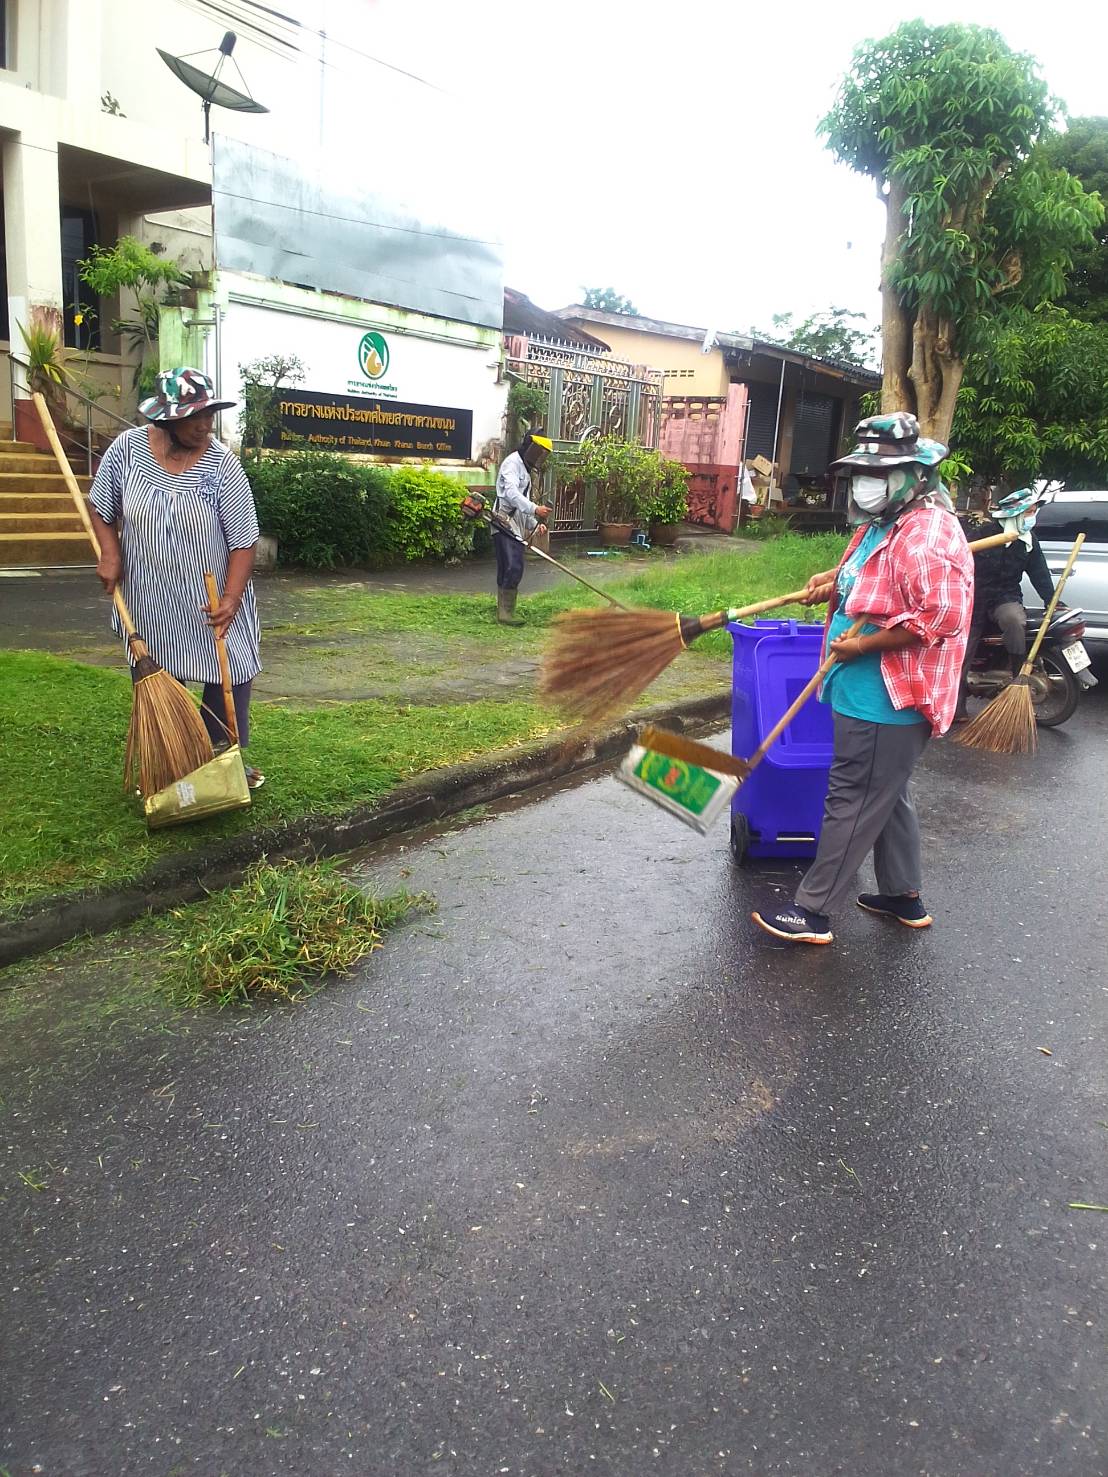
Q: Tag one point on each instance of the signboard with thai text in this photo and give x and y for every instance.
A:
(361, 426)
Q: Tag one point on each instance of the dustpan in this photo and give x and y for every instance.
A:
(216, 787)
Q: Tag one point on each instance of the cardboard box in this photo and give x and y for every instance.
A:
(762, 465)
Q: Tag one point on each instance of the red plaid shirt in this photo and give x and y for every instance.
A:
(921, 577)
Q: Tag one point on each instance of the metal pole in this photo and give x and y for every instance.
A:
(777, 423)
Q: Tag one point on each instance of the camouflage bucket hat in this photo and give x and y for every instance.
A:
(1017, 503)
(181, 393)
(891, 440)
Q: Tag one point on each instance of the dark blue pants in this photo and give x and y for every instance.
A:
(509, 560)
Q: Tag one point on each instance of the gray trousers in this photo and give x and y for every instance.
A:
(868, 807)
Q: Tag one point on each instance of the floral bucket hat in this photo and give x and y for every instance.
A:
(181, 393)
(891, 440)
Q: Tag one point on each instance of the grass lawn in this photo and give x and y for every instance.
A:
(66, 823)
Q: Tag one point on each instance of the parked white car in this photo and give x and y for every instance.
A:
(1058, 524)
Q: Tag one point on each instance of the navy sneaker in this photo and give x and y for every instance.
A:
(795, 925)
(907, 910)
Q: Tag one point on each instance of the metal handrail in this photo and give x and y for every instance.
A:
(89, 405)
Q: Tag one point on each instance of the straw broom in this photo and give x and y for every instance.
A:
(167, 738)
(601, 660)
(1007, 725)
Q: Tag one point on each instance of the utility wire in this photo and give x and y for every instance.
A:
(333, 40)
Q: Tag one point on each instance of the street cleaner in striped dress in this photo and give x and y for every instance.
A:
(909, 569)
(170, 504)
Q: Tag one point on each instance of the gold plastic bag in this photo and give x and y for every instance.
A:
(215, 787)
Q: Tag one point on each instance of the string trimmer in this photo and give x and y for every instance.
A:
(474, 506)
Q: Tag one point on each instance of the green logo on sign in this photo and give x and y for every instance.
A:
(373, 355)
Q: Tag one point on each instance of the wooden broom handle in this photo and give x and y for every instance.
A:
(224, 665)
(1048, 614)
(794, 597)
(79, 503)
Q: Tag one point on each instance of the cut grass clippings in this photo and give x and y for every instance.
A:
(275, 936)
(67, 825)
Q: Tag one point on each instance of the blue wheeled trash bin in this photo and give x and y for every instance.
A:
(778, 811)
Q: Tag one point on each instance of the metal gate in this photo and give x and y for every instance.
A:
(587, 392)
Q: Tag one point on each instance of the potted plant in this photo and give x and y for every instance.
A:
(621, 476)
(669, 503)
(47, 375)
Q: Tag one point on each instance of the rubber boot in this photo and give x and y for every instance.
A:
(506, 607)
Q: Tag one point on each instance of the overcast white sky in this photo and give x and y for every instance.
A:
(666, 150)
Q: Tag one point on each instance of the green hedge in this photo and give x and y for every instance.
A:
(324, 510)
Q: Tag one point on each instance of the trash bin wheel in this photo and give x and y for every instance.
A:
(740, 836)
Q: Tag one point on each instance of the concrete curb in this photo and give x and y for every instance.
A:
(188, 876)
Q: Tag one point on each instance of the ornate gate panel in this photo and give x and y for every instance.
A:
(587, 392)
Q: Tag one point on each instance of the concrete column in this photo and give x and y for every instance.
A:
(32, 231)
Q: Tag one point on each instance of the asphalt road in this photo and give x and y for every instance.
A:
(580, 1174)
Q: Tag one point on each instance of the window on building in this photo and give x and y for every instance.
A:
(7, 39)
(81, 310)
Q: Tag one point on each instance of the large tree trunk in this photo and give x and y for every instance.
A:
(896, 323)
(935, 373)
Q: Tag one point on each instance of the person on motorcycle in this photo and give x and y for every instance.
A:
(908, 573)
(998, 577)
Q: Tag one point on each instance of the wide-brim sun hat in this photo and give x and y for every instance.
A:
(1018, 502)
(891, 440)
(181, 393)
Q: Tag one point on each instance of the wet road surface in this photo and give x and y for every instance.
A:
(582, 1174)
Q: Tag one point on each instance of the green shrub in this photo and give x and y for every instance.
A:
(322, 509)
(670, 500)
(425, 520)
(325, 510)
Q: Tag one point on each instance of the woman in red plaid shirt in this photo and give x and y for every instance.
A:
(907, 569)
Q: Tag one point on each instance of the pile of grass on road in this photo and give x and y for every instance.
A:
(67, 823)
(276, 936)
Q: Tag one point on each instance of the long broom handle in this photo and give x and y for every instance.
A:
(1048, 614)
(719, 618)
(503, 526)
(79, 503)
(224, 664)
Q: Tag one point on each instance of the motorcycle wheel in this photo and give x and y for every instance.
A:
(1060, 702)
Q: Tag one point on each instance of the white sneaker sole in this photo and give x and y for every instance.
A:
(924, 922)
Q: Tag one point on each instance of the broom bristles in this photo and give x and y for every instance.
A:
(601, 660)
(1007, 725)
(167, 738)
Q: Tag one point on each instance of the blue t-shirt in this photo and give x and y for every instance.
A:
(857, 689)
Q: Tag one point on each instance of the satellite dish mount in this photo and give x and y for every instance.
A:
(207, 84)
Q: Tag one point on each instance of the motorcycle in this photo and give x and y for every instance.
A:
(1061, 669)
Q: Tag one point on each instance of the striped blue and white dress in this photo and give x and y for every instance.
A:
(175, 527)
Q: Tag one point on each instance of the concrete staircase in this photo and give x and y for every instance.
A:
(39, 525)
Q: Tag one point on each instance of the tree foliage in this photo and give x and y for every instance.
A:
(608, 300)
(1035, 400)
(833, 334)
(1083, 151)
(945, 120)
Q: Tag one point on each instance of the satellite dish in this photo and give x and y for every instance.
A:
(207, 84)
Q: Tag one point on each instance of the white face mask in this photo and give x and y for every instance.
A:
(870, 493)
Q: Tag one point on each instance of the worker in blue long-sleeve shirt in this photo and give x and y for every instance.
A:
(513, 503)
